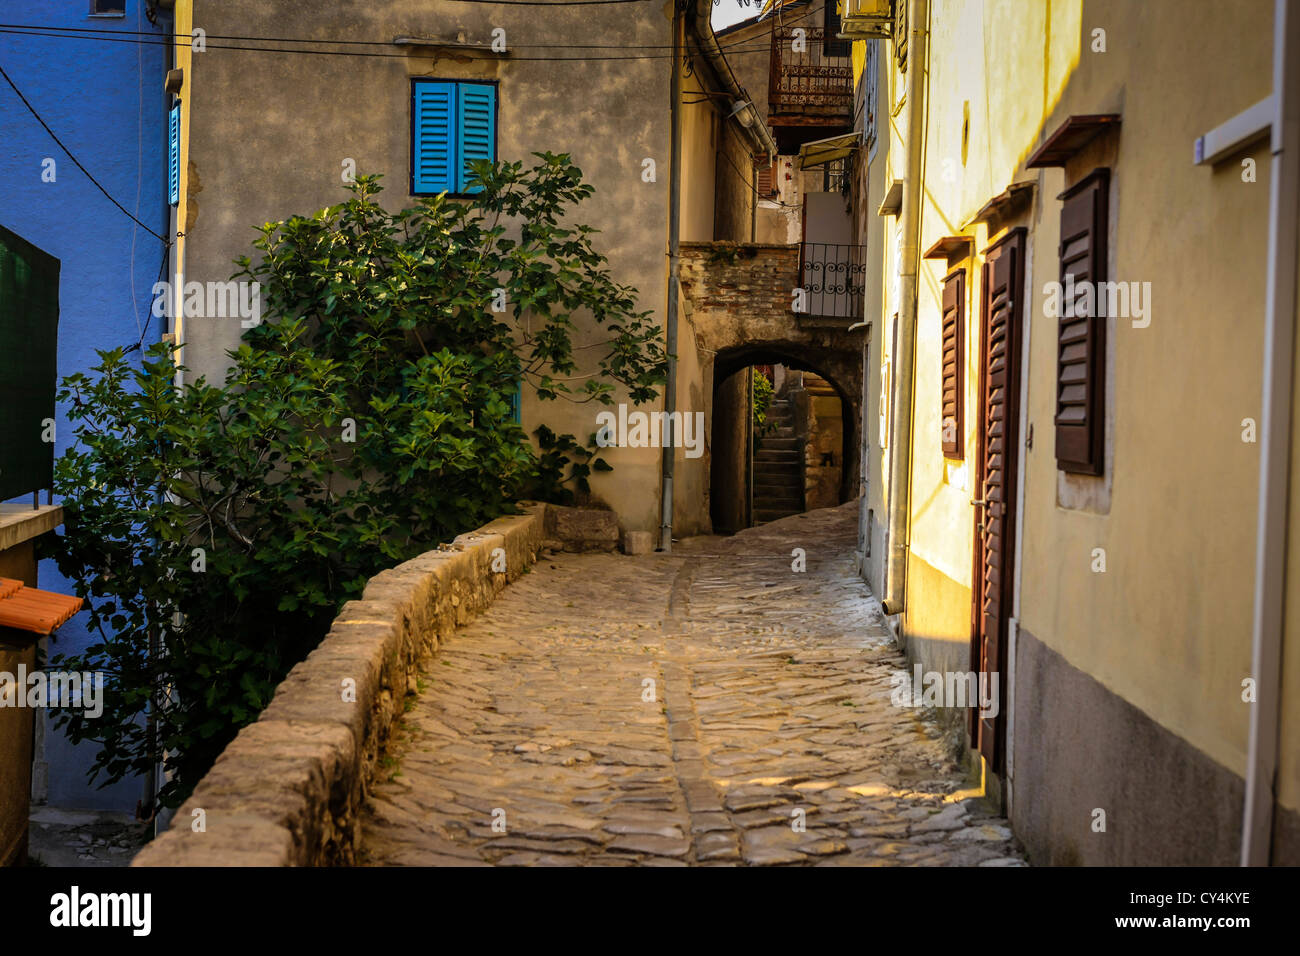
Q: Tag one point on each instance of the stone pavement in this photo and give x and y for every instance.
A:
(711, 706)
(58, 837)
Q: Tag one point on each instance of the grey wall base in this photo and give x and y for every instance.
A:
(1079, 747)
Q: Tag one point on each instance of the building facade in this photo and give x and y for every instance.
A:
(265, 135)
(98, 85)
(1067, 303)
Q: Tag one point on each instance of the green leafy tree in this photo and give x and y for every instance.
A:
(215, 530)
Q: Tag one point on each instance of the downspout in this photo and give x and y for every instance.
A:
(760, 136)
(674, 266)
(900, 437)
(1275, 448)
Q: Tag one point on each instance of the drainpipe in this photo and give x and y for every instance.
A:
(1275, 447)
(674, 265)
(900, 437)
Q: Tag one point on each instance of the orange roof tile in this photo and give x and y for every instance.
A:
(30, 609)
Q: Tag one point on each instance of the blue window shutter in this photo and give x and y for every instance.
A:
(433, 146)
(174, 156)
(516, 402)
(476, 129)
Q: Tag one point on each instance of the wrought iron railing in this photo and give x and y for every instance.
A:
(833, 279)
(811, 74)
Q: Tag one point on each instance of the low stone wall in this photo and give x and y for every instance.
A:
(287, 790)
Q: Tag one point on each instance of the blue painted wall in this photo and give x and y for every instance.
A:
(106, 102)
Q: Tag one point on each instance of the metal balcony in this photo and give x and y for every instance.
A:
(834, 280)
(812, 85)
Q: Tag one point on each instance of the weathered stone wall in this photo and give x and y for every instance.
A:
(825, 447)
(745, 280)
(737, 300)
(729, 455)
(287, 790)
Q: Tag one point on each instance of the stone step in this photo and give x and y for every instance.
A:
(776, 455)
(770, 443)
(792, 504)
(776, 481)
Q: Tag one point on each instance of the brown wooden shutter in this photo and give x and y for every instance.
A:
(765, 180)
(1081, 337)
(952, 377)
(831, 27)
(997, 470)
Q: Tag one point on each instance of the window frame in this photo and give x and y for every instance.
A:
(1091, 461)
(956, 449)
(100, 15)
(457, 161)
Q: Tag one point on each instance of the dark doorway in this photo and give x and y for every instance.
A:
(996, 468)
(782, 443)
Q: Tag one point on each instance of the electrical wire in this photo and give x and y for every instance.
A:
(76, 162)
(154, 39)
(162, 268)
(546, 3)
(469, 53)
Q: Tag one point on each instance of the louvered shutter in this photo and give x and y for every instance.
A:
(476, 130)
(997, 469)
(174, 155)
(433, 139)
(516, 402)
(952, 379)
(900, 34)
(765, 178)
(831, 45)
(1081, 338)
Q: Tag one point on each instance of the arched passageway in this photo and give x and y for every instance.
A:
(803, 456)
(739, 300)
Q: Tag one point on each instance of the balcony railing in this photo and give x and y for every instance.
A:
(833, 278)
(811, 82)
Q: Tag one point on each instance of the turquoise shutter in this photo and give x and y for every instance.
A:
(516, 402)
(174, 156)
(433, 140)
(476, 129)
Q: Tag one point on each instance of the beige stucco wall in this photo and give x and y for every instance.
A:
(1167, 627)
(281, 153)
(875, 232)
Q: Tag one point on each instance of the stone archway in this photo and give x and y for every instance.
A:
(737, 302)
(843, 372)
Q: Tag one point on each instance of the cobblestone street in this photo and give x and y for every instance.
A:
(708, 707)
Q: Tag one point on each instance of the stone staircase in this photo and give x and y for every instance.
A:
(778, 471)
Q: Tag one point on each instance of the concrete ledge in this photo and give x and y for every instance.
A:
(20, 523)
(287, 790)
(581, 529)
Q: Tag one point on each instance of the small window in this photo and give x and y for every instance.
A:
(832, 46)
(452, 124)
(516, 399)
(174, 155)
(108, 8)
(765, 174)
(1081, 327)
(952, 376)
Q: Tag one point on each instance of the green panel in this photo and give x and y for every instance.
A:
(29, 327)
